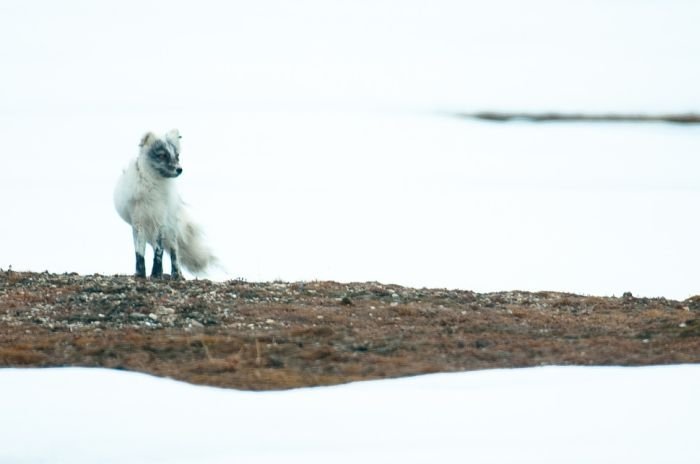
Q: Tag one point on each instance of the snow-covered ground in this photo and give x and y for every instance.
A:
(536, 415)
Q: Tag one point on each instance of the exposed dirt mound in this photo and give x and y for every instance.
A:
(282, 335)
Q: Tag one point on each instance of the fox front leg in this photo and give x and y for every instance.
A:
(140, 247)
(157, 271)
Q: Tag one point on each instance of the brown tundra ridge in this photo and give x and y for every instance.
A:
(277, 335)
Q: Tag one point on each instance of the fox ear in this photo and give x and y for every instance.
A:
(148, 138)
(174, 138)
(174, 134)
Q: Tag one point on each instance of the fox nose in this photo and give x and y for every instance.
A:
(178, 170)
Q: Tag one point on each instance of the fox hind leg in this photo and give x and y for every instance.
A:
(140, 247)
(175, 272)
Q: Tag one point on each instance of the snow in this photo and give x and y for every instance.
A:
(533, 415)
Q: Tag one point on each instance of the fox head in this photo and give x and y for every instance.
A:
(162, 153)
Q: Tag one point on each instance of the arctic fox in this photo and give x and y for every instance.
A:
(146, 198)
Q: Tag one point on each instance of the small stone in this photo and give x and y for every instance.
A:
(681, 325)
(137, 316)
(395, 296)
(393, 304)
(319, 317)
(196, 324)
(153, 316)
(270, 321)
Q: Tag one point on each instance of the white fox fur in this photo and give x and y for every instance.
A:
(146, 198)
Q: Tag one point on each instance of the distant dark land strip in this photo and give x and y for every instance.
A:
(679, 118)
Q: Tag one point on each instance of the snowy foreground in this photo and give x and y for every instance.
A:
(538, 415)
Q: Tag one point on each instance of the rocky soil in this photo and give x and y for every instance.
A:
(280, 335)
